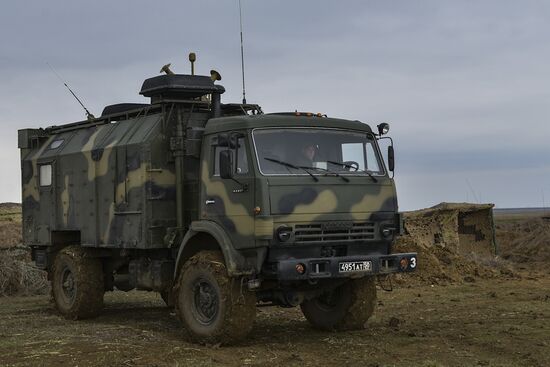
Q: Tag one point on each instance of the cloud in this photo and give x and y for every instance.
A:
(463, 84)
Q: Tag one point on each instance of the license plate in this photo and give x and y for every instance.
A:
(355, 266)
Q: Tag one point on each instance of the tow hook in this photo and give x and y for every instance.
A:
(388, 287)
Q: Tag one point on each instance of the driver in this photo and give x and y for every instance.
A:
(307, 154)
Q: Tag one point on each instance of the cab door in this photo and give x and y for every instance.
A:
(229, 202)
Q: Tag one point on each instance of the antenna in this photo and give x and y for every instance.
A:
(473, 192)
(242, 49)
(89, 116)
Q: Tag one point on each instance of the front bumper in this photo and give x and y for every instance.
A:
(322, 268)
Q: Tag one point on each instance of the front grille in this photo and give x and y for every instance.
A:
(333, 232)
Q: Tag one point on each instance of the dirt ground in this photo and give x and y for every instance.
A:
(482, 323)
(465, 311)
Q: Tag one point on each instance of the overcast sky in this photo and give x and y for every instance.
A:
(465, 85)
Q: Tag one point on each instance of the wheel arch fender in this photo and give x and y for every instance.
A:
(214, 237)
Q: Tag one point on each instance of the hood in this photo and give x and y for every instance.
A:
(344, 198)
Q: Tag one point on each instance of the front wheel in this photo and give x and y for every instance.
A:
(77, 283)
(213, 307)
(347, 307)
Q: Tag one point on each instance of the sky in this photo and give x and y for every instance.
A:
(464, 85)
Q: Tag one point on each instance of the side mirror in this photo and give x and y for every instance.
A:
(226, 167)
(391, 158)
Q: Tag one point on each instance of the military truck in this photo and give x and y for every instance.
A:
(218, 207)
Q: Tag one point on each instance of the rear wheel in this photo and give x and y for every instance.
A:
(77, 283)
(347, 307)
(213, 307)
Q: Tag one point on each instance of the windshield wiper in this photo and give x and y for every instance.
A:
(327, 172)
(356, 169)
(306, 169)
(286, 164)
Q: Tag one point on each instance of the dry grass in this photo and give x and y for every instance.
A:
(525, 241)
(19, 276)
(10, 212)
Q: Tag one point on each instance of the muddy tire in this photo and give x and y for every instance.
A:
(347, 307)
(168, 297)
(213, 307)
(77, 283)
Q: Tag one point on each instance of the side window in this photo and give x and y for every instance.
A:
(239, 157)
(353, 152)
(372, 162)
(242, 158)
(45, 172)
(217, 151)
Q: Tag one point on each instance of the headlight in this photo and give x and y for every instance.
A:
(383, 128)
(284, 233)
(387, 231)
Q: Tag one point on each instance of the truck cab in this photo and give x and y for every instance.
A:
(262, 188)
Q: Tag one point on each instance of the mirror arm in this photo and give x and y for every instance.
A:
(385, 137)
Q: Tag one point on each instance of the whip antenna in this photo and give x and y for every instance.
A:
(242, 49)
(89, 116)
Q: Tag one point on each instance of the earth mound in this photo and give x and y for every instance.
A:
(455, 242)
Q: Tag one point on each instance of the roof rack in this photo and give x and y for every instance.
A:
(241, 109)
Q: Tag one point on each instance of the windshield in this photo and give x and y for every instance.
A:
(321, 151)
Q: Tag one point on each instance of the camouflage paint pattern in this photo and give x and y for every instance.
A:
(289, 200)
(115, 184)
(110, 182)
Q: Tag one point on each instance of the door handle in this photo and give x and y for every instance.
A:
(209, 202)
